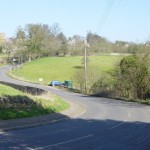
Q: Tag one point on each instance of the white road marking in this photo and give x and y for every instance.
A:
(69, 141)
(129, 114)
(1, 132)
(118, 124)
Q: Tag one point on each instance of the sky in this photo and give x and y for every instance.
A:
(126, 20)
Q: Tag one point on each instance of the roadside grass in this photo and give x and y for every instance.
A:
(15, 104)
(139, 101)
(62, 68)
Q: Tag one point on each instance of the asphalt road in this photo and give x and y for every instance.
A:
(105, 125)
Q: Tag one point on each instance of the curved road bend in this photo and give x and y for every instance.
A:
(105, 125)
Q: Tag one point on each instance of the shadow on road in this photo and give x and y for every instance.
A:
(80, 134)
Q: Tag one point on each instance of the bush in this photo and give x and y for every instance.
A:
(92, 75)
(133, 80)
(102, 87)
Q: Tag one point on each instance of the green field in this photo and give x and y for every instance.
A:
(15, 104)
(63, 68)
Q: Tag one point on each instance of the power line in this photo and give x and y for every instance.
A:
(105, 15)
(113, 14)
(108, 14)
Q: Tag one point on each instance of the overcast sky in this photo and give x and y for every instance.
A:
(127, 20)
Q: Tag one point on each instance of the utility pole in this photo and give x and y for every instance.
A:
(85, 69)
(85, 64)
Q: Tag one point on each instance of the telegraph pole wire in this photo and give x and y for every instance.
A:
(104, 17)
(112, 15)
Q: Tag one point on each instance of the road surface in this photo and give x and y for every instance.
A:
(105, 125)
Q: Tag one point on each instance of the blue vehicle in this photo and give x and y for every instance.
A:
(56, 83)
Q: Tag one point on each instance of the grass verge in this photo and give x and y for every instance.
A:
(15, 104)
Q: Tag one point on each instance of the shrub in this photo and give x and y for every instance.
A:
(102, 87)
(133, 79)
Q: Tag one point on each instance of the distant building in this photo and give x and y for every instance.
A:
(147, 43)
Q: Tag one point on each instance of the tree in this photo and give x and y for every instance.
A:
(55, 29)
(76, 45)
(43, 40)
(98, 44)
(53, 42)
(63, 48)
(92, 76)
(2, 41)
(134, 77)
(34, 40)
(20, 50)
(47, 39)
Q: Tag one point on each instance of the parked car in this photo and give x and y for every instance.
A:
(56, 83)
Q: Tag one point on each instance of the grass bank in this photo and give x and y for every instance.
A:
(62, 68)
(15, 104)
